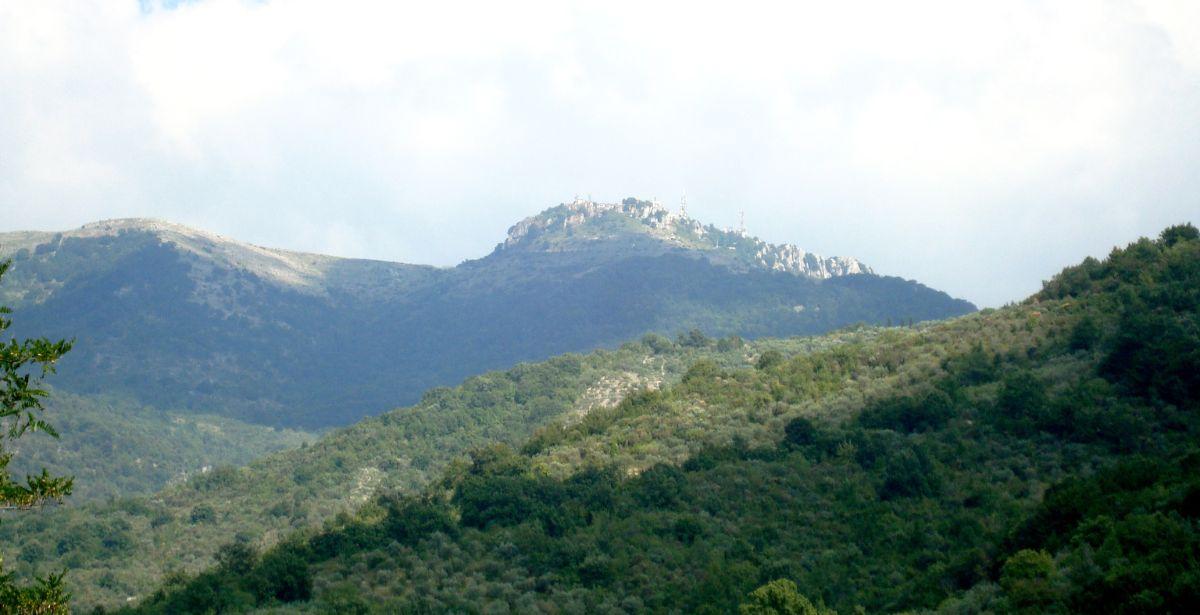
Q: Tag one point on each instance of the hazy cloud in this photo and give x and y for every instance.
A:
(977, 147)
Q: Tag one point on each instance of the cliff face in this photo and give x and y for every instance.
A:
(651, 228)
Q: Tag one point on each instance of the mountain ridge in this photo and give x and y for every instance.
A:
(304, 270)
(306, 340)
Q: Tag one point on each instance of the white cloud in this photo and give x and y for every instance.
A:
(975, 146)
(1179, 21)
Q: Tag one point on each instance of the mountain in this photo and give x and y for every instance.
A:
(182, 319)
(1038, 458)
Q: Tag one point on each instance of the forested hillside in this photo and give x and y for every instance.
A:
(1038, 458)
(115, 447)
(121, 549)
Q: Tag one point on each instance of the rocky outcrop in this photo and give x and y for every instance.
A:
(579, 213)
(791, 259)
(575, 226)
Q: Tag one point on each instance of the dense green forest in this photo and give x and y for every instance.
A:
(1038, 458)
(122, 548)
(115, 447)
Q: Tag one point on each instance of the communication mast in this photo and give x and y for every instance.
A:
(741, 222)
(683, 207)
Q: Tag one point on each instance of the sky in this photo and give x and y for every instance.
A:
(977, 147)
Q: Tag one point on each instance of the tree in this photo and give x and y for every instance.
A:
(800, 432)
(283, 575)
(237, 557)
(23, 365)
(1086, 334)
(780, 597)
(1029, 578)
(1022, 403)
(1180, 232)
(694, 339)
(769, 359)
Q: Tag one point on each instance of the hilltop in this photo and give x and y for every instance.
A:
(647, 228)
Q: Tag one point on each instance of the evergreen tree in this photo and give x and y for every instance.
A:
(23, 364)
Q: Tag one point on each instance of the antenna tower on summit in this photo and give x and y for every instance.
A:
(742, 222)
(683, 207)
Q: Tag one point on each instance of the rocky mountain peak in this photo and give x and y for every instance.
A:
(585, 224)
(577, 214)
